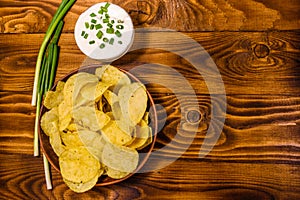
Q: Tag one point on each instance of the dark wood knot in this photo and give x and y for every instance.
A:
(261, 50)
(141, 13)
(193, 116)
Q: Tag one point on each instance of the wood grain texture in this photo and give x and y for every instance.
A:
(176, 181)
(244, 67)
(204, 15)
(255, 45)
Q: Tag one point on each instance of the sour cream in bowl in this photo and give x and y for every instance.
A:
(104, 32)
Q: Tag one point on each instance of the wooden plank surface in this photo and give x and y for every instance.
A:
(204, 15)
(255, 46)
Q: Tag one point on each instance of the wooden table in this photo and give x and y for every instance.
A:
(255, 46)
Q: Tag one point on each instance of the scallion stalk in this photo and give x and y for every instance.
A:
(57, 17)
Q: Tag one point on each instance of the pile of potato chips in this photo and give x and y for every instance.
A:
(96, 123)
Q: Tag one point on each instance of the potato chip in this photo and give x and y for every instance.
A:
(113, 75)
(133, 102)
(56, 143)
(78, 165)
(93, 141)
(120, 158)
(102, 118)
(75, 83)
(49, 121)
(53, 98)
(64, 115)
(100, 89)
(110, 97)
(71, 139)
(82, 186)
(112, 173)
(113, 134)
(86, 117)
(100, 70)
(141, 137)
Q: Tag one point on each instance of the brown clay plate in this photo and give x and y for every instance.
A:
(103, 180)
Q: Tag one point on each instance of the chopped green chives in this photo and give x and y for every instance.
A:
(105, 39)
(107, 5)
(93, 15)
(87, 25)
(104, 9)
(102, 45)
(119, 26)
(107, 16)
(92, 42)
(105, 20)
(98, 26)
(109, 25)
(112, 21)
(94, 21)
(100, 12)
(99, 34)
(111, 41)
(118, 33)
(92, 26)
(82, 33)
(86, 36)
(120, 42)
(110, 30)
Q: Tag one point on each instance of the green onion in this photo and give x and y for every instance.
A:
(112, 21)
(61, 12)
(86, 36)
(82, 33)
(99, 34)
(119, 26)
(107, 16)
(92, 26)
(105, 20)
(98, 26)
(118, 33)
(94, 21)
(102, 46)
(111, 41)
(120, 42)
(100, 12)
(92, 42)
(105, 39)
(110, 30)
(93, 15)
(109, 25)
(107, 5)
(87, 25)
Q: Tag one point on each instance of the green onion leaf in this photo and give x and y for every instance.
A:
(92, 42)
(102, 45)
(111, 41)
(118, 33)
(98, 26)
(105, 20)
(105, 39)
(86, 36)
(99, 34)
(82, 33)
(119, 26)
(92, 26)
(93, 15)
(94, 21)
(120, 42)
(107, 5)
(110, 30)
(87, 25)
